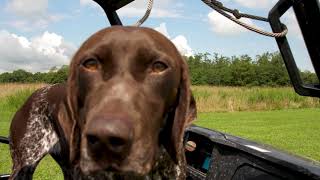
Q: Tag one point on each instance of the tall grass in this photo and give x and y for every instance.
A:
(13, 102)
(12, 97)
(7, 89)
(209, 98)
(229, 99)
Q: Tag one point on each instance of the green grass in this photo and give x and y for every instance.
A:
(295, 131)
(46, 170)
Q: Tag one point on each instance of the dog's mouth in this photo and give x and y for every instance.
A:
(115, 175)
(126, 170)
(109, 165)
(113, 172)
(132, 170)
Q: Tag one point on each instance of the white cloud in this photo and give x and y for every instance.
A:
(289, 19)
(137, 8)
(88, 3)
(139, 12)
(160, 9)
(182, 45)
(224, 26)
(179, 41)
(31, 15)
(31, 24)
(36, 54)
(24, 42)
(163, 29)
(85, 2)
(30, 8)
(256, 3)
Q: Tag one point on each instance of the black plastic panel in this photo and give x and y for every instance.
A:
(236, 158)
(253, 173)
(4, 177)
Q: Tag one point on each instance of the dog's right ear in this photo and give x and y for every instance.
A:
(72, 105)
(69, 128)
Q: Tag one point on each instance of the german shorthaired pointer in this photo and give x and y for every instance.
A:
(121, 114)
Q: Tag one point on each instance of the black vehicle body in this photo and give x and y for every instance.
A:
(223, 156)
(232, 157)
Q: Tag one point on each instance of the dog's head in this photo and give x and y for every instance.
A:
(128, 95)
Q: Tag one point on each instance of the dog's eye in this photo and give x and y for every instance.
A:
(159, 67)
(91, 64)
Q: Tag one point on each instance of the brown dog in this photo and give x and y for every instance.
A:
(122, 113)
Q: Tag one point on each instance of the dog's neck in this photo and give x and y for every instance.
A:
(165, 168)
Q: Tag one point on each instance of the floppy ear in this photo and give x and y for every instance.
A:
(72, 102)
(184, 113)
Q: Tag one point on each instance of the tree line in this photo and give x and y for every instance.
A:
(267, 69)
(54, 75)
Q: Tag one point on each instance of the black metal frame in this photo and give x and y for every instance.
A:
(308, 14)
(110, 7)
(4, 140)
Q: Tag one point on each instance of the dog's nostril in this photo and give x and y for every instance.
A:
(113, 143)
(92, 140)
(117, 142)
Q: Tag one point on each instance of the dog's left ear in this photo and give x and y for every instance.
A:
(185, 112)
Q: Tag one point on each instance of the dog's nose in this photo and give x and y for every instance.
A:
(110, 138)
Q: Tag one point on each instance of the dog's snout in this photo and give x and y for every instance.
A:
(109, 137)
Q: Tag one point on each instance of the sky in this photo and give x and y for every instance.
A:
(37, 35)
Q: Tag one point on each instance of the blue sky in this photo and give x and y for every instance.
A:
(38, 34)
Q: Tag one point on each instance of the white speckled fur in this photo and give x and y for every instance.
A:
(40, 136)
(178, 171)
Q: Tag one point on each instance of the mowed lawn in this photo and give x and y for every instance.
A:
(293, 130)
(296, 131)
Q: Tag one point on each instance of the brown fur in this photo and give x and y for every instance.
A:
(143, 110)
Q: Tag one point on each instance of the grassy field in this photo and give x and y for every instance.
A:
(295, 130)
(12, 88)
(287, 122)
(230, 99)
